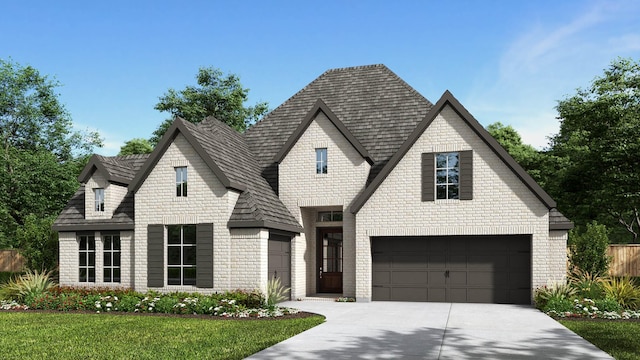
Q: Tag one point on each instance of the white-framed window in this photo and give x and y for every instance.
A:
(111, 258)
(321, 161)
(87, 258)
(99, 199)
(181, 181)
(181, 255)
(324, 216)
(448, 175)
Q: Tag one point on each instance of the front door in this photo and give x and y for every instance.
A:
(329, 260)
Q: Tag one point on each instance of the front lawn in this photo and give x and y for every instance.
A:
(28, 335)
(618, 338)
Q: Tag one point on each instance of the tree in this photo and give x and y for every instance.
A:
(136, 146)
(589, 248)
(525, 155)
(216, 94)
(38, 242)
(40, 156)
(599, 139)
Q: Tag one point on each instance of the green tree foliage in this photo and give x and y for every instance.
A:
(38, 242)
(40, 156)
(216, 94)
(589, 248)
(599, 142)
(136, 146)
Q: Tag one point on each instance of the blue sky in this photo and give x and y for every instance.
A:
(507, 61)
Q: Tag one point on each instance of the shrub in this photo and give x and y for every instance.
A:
(608, 305)
(38, 242)
(556, 292)
(276, 292)
(248, 299)
(128, 303)
(559, 305)
(585, 284)
(5, 276)
(165, 304)
(588, 249)
(622, 290)
(30, 284)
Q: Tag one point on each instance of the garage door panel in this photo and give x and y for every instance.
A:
(382, 277)
(409, 278)
(409, 261)
(437, 294)
(409, 294)
(381, 293)
(279, 258)
(453, 268)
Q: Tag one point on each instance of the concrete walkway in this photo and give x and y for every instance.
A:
(402, 330)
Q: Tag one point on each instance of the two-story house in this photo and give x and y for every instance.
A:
(357, 185)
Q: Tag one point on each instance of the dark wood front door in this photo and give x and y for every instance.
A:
(329, 260)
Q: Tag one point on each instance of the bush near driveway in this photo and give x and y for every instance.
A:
(35, 335)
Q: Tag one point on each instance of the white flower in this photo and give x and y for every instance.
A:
(109, 305)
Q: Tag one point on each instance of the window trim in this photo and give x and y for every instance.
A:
(447, 168)
(110, 252)
(87, 256)
(322, 162)
(181, 181)
(182, 245)
(98, 199)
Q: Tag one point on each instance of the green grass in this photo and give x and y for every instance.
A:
(618, 338)
(26, 335)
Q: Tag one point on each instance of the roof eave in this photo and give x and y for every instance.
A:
(236, 224)
(92, 226)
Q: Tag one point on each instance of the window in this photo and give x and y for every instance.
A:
(329, 216)
(447, 176)
(181, 255)
(321, 161)
(181, 181)
(87, 258)
(111, 257)
(99, 199)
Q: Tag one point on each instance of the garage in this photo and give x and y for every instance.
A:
(280, 258)
(465, 269)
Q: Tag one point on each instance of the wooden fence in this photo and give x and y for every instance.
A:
(625, 260)
(11, 260)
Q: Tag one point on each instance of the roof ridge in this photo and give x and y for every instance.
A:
(357, 67)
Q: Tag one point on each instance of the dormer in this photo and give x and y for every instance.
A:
(106, 180)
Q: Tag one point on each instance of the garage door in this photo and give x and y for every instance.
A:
(280, 258)
(478, 269)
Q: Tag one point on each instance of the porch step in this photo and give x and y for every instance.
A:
(321, 297)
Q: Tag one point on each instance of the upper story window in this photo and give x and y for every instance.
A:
(321, 161)
(99, 199)
(181, 181)
(324, 216)
(448, 175)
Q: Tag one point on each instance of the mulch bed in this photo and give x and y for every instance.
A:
(300, 315)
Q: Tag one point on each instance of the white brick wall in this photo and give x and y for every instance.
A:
(208, 201)
(249, 259)
(304, 192)
(501, 204)
(69, 267)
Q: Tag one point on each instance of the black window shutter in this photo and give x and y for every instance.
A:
(466, 175)
(204, 256)
(428, 177)
(155, 255)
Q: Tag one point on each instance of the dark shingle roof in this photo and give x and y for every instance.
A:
(377, 107)
(72, 216)
(120, 169)
(258, 203)
(557, 221)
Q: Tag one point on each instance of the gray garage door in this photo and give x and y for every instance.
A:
(479, 269)
(280, 258)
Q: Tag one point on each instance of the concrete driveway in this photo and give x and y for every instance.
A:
(394, 330)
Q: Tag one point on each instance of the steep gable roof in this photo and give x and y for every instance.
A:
(377, 107)
(321, 107)
(117, 169)
(448, 99)
(226, 153)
